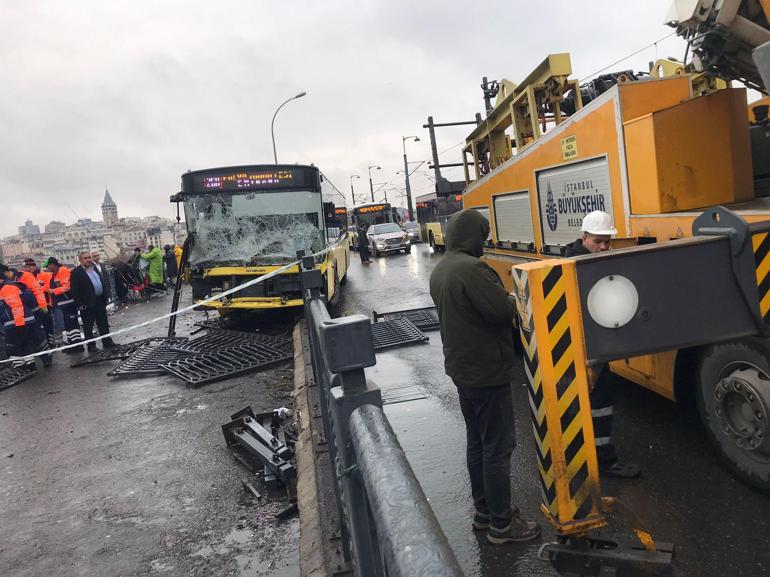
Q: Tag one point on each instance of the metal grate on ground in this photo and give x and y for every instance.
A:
(396, 333)
(402, 394)
(219, 339)
(10, 376)
(122, 351)
(147, 361)
(425, 318)
(205, 368)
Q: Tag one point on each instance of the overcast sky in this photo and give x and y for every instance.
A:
(131, 94)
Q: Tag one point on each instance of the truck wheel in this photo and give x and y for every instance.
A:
(733, 396)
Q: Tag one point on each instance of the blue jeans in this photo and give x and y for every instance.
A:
(491, 438)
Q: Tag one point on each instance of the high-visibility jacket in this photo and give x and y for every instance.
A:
(60, 286)
(10, 297)
(45, 277)
(29, 281)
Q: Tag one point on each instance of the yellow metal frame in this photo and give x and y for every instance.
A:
(340, 255)
(551, 331)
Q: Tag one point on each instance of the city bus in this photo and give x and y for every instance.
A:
(433, 212)
(247, 221)
(368, 214)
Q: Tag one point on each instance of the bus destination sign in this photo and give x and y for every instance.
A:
(371, 208)
(241, 180)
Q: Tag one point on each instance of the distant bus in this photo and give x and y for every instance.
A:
(433, 212)
(368, 214)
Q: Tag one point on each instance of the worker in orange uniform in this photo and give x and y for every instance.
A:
(60, 289)
(43, 278)
(18, 323)
(33, 296)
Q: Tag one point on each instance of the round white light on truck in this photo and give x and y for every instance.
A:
(613, 301)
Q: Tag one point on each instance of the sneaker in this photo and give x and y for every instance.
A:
(480, 521)
(621, 470)
(518, 531)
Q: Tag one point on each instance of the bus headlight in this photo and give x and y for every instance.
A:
(613, 301)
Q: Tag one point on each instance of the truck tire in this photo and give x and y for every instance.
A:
(733, 397)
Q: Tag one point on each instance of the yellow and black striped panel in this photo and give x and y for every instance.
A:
(562, 353)
(761, 245)
(534, 386)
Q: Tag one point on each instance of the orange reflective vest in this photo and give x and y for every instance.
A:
(29, 281)
(11, 295)
(60, 286)
(44, 277)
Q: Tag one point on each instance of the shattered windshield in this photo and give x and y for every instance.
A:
(254, 228)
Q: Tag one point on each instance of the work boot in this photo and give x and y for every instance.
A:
(91, 348)
(517, 531)
(480, 521)
(620, 470)
(109, 344)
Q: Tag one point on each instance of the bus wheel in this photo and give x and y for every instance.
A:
(334, 301)
(733, 395)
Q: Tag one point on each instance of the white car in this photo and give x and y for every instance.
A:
(387, 237)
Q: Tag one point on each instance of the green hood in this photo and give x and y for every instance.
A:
(467, 232)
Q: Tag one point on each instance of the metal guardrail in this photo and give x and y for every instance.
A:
(388, 527)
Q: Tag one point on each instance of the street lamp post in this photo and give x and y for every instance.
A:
(371, 186)
(272, 123)
(409, 210)
(352, 192)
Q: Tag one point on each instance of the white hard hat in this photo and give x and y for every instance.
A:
(598, 222)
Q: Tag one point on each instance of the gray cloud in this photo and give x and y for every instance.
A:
(132, 94)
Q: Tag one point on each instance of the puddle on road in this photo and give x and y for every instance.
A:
(261, 546)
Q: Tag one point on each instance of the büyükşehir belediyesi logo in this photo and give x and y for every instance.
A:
(550, 209)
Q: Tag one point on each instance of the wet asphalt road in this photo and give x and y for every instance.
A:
(102, 477)
(718, 525)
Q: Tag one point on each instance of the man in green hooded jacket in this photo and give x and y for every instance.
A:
(476, 315)
(155, 258)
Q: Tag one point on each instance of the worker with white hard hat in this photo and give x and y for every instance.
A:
(597, 232)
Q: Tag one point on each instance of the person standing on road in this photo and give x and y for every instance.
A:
(18, 322)
(171, 267)
(476, 317)
(363, 244)
(59, 289)
(91, 292)
(155, 258)
(597, 232)
(96, 259)
(43, 278)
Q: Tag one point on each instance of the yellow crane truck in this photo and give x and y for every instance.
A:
(653, 152)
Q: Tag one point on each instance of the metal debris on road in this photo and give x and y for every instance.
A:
(247, 432)
(425, 318)
(122, 351)
(244, 357)
(396, 333)
(224, 338)
(250, 488)
(146, 361)
(10, 375)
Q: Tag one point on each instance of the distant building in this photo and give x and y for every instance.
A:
(29, 229)
(109, 210)
(55, 226)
